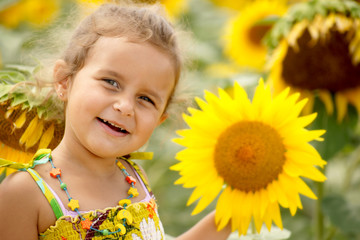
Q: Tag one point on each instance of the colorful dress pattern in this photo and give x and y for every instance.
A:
(146, 223)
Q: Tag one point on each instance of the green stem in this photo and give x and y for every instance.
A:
(253, 228)
(331, 233)
(351, 170)
(319, 213)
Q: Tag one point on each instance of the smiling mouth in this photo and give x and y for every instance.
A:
(113, 126)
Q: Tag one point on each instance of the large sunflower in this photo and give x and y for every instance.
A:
(317, 53)
(38, 13)
(245, 32)
(251, 153)
(30, 118)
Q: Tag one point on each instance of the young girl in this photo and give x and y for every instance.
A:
(116, 78)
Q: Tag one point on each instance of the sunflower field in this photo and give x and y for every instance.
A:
(267, 132)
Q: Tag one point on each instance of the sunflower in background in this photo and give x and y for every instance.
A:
(316, 51)
(235, 5)
(240, 4)
(37, 13)
(245, 32)
(30, 118)
(174, 8)
(252, 154)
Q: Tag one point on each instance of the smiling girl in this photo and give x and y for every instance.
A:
(116, 79)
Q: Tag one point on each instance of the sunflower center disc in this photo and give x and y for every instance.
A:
(257, 33)
(325, 65)
(249, 155)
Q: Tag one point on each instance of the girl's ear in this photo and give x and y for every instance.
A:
(61, 79)
(163, 118)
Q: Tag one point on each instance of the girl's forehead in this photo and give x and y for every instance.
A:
(131, 60)
(121, 50)
(122, 43)
(113, 46)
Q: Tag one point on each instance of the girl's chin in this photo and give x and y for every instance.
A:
(107, 151)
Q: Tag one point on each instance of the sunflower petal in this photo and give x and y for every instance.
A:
(222, 148)
(36, 135)
(19, 122)
(214, 190)
(224, 209)
(47, 137)
(29, 130)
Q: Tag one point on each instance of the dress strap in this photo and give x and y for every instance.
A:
(139, 172)
(47, 192)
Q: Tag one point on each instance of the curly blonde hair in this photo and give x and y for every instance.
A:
(138, 24)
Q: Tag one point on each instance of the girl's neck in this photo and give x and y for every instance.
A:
(82, 161)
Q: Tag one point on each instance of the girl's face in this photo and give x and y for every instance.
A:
(118, 98)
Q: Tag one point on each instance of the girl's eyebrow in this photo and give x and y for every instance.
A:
(109, 72)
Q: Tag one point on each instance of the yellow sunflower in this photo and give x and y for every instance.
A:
(251, 153)
(173, 7)
(245, 32)
(237, 5)
(240, 4)
(319, 55)
(38, 13)
(30, 118)
(12, 15)
(41, 12)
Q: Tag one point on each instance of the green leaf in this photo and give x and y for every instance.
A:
(337, 134)
(19, 98)
(2, 175)
(11, 77)
(4, 90)
(21, 68)
(341, 213)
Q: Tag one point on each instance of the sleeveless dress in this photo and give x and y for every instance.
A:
(146, 224)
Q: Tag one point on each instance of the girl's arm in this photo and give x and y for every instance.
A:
(206, 230)
(18, 207)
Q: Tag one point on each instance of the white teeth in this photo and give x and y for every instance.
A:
(122, 129)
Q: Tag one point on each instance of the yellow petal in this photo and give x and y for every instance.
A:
(326, 98)
(29, 130)
(36, 135)
(257, 211)
(246, 211)
(214, 190)
(276, 215)
(303, 188)
(353, 95)
(223, 209)
(282, 199)
(8, 113)
(19, 122)
(341, 106)
(47, 137)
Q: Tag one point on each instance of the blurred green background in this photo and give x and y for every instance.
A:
(26, 26)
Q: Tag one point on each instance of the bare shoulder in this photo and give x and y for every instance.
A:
(19, 203)
(18, 183)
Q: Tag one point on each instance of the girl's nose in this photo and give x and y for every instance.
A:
(124, 106)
